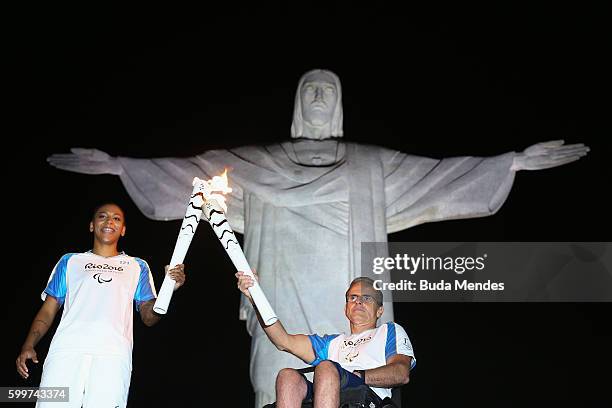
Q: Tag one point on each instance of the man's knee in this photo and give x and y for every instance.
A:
(326, 369)
(289, 376)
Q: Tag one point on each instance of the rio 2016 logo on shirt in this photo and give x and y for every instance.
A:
(98, 276)
(351, 343)
(104, 267)
(349, 348)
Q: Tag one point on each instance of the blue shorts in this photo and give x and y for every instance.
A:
(347, 380)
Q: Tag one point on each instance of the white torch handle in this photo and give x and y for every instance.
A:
(188, 228)
(259, 298)
(226, 235)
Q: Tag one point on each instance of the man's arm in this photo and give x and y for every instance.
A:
(42, 321)
(297, 344)
(394, 374)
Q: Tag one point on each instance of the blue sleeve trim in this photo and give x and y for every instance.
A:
(140, 302)
(396, 332)
(56, 286)
(391, 346)
(320, 346)
(144, 291)
(60, 300)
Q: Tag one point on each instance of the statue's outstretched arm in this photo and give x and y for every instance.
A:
(548, 154)
(87, 161)
(159, 186)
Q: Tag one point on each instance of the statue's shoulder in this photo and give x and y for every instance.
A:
(392, 155)
(240, 151)
(384, 153)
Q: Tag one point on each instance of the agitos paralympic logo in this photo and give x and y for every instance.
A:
(98, 276)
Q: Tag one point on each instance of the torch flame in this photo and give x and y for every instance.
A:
(219, 183)
(216, 188)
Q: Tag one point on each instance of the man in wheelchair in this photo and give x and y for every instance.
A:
(379, 357)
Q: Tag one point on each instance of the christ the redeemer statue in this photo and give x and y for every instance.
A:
(306, 204)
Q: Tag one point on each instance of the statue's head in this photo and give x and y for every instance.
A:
(318, 106)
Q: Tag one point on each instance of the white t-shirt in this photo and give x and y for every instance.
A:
(363, 351)
(98, 295)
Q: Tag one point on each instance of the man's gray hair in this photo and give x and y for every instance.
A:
(378, 295)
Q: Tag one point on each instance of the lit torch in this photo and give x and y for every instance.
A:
(208, 195)
(188, 229)
(214, 210)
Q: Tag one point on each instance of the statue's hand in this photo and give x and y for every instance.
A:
(88, 161)
(548, 154)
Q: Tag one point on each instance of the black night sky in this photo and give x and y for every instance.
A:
(437, 83)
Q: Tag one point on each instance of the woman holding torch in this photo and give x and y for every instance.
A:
(91, 351)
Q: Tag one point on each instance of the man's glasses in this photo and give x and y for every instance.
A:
(360, 298)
